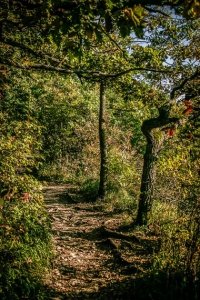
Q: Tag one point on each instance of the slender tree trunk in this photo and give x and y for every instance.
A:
(102, 141)
(155, 138)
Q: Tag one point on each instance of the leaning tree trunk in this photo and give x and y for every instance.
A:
(155, 135)
(103, 142)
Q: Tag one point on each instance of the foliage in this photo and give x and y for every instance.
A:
(178, 262)
(176, 221)
(89, 190)
(67, 115)
(53, 35)
(52, 16)
(25, 248)
(25, 241)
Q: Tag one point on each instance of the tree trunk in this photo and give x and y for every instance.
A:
(148, 178)
(103, 142)
(155, 135)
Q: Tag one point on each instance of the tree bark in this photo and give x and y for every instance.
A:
(155, 138)
(102, 142)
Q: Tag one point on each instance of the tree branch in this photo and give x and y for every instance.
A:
(181, 85)
(156, 11)
(22, 47)
(156, 123)
(12, 63)
(37, 54)
(87, 74)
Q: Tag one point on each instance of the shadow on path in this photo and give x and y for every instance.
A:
(93, 259)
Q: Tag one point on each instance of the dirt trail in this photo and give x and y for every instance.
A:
(94, 260)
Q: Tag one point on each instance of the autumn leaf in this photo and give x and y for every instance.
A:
(188, 104)
(170, 132)
(191, 136)
(189, 107)
(187, 111)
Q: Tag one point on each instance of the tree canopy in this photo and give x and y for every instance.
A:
(29, 30)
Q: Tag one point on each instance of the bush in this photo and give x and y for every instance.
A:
(25, 248)
(89, 190)
(178, 259)
(25, 240)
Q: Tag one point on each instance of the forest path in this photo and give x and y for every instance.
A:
(94, 259)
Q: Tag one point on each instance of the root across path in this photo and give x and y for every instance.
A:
(94, 258)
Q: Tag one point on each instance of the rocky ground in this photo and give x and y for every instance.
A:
(95, 257)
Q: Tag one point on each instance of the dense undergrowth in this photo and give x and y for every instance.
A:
(176, 267)
(25, 245)
(25, 238)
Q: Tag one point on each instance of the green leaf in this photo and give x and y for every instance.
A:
(139, 31)
(1, 202)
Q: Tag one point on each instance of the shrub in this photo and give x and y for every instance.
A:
(25, 240)
(25, 248)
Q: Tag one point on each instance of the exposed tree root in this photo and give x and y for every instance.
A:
(106, 233)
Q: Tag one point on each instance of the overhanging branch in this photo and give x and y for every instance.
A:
(87, 74)
(182, 84)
